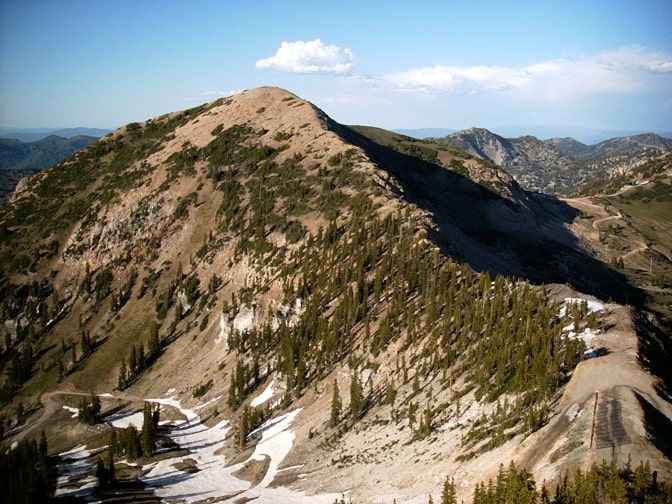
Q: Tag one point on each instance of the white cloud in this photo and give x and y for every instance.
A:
(308, 57)
(622, 71)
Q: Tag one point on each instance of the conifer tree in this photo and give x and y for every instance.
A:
(335, 406)
(356, 397)
(148, 432)
(101, 474)
(449, 494)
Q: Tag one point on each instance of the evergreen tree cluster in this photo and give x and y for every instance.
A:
(602, 483)
(367, 279)
(250, 419)
(105, 471)
(130, 443)
(27, 473)
(377, 277)
(89, 411)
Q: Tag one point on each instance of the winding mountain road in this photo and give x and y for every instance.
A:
(51, 406)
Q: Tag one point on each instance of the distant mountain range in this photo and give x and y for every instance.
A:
(587, 136)
(19, 159)
(559, 165)
(35, 134)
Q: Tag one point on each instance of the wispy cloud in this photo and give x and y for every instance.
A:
(622, 71)
(309, 57)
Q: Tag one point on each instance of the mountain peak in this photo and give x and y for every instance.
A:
(251, 257)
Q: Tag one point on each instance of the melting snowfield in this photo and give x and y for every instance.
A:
(202, 474)
(123, 420)
(587, 334)
(264, 396)
(593, 306)
(209, 477)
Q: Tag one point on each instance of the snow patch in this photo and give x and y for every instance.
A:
(264, 396)
(586, 335)
(214, 479)
(276, 442)
(74, 478)
(207, 403)
(123, 420)
(593, 305)
(74, 411)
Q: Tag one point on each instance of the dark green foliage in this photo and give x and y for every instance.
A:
(27, 473)
(95, 175)
(39, 154)
(150, 424)
(89, 410)
(102, 474)
(250, 420)
(425, 428)
(449, 494)
(139, 359)
(190, 289)
(601, 483)
(202, 389)
(182, 208)
(86, 344)
(124, 294)
(511, 486)
(336, 406)
(294, 231)
(357, 400)
(128, 444)
(153, 343)
(504, 335)
(230, 148)
(366, 280)
(103, 284)
(239, 386)
(183, 161)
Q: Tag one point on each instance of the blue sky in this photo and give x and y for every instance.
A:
(393, 64)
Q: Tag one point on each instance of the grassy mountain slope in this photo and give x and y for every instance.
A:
(40, 154)
(18, 159)
(253, 241)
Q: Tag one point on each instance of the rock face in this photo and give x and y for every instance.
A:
(559, 165)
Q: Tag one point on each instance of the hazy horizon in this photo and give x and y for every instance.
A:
(596, 65)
